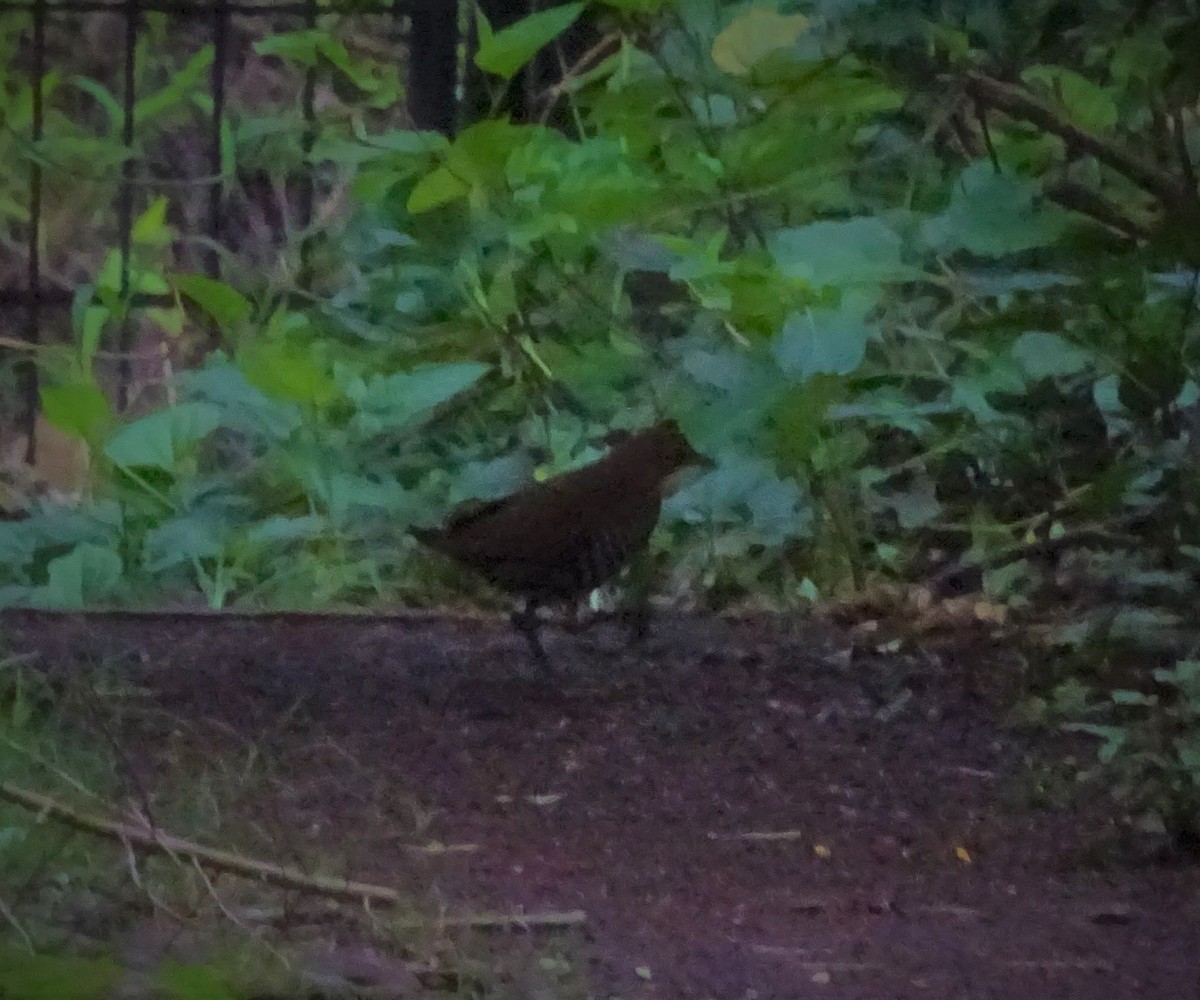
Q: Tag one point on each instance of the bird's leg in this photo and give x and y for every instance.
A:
(634, 610)
(572, 621)
(525, 620)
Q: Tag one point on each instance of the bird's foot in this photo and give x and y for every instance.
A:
(526, 621)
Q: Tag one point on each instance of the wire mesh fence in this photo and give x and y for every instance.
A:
(106, 104)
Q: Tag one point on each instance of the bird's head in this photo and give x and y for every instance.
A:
(656, 454)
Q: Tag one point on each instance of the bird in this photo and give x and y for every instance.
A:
(555, 541)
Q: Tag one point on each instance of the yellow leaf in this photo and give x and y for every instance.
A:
(962, 854)
(754, 35)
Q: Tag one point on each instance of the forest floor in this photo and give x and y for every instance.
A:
(744, 810)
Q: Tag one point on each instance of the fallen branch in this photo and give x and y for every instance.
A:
(150, 841)
(497, 921)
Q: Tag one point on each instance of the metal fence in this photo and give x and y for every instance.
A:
(428, 29)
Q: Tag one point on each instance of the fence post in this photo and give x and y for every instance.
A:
(433, 64)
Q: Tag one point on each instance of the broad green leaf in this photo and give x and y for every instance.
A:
(993, 214)
(915, 507)
(490, 479)
(392, 402)
(50, 526)
(224, 303)
(17, 545)
(753, 35)
(194, 535)
(859, 251)
(79, 409)
(1087, 104)
(1045, 355)
(85, 574)
(346, 496)
(717, 110)
(822, 342)
(477, 159)
(438, 187)
(243, 407)
(738, 486)
(152, 441)
(287, 371)
(279, 529)
(504, 52)
(151, 227)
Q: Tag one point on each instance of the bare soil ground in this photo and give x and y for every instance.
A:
(741, 810)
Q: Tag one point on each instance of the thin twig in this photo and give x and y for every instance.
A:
(216, 898)
(497, 921)
(156, 842)
(1020, 103)
(58, 772)
(11, 917)
(136, 876)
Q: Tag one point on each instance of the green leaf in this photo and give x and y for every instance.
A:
(151, 227)
(859, 251)
(347, 496)
(279, 529)
(1088, 105)
(993, 214)
(915, 507)
(303, 46)
(224, 303)
(79, 409)
(287, 370)
(395, 401)
(477, 159)
(1046, 355)
(186, 81)
(243, 407)
(822, 342)
(753, 35)
(504, 52)
(152, 441)
(103, 97)
(438, 187)
(85, 574)
(739, 487)
(180, 540)
(1125, 697)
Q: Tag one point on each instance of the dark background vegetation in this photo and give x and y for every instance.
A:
(921, 277)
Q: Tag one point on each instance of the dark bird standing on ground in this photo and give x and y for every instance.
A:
(553, 542)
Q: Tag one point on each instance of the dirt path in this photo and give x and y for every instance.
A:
(741, 812)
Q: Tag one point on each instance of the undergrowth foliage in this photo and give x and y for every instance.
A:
(920, 277)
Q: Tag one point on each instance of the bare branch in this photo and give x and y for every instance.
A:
(150, 841)
(1017, 102)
